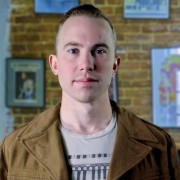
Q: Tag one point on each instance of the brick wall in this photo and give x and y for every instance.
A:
(32, 35)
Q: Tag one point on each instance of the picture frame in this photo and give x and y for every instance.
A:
(25, 85)
(113, 89)
(54, 6)
(165, 64)
(156, 9)
(178, 151)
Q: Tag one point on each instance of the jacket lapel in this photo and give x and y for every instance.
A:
(129, 149)
(42, 139)
(45, 144)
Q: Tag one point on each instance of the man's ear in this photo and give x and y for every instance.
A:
(116, 64)
(53, 64)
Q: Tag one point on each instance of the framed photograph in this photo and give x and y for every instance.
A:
(25, 82)
(54, 6)
(113, 89)
(179, 155)
(146, 9)
(166, 86)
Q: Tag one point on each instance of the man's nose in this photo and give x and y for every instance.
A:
(87, 62)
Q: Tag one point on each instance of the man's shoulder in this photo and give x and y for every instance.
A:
(11, 139)
(141, 128)
(41, 121)
(159, 132)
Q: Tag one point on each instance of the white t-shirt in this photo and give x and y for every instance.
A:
(89, 156)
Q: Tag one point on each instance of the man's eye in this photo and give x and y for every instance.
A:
(98, 52)
(73, 51)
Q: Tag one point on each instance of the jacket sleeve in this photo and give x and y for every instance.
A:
(3, 168)
(174, 166)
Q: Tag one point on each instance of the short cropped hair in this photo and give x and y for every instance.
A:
(85, 10)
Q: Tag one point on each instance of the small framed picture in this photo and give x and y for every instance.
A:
(54, 6)
(146, 9)
(25, 82)
(165, 64)
(113, 89)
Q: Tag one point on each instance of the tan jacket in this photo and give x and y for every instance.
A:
(35, 151)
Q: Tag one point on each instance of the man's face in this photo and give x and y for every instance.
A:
(85, 58)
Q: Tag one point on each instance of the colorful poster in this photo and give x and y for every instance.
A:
(166, 86)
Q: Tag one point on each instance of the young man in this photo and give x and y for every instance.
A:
(87, 136)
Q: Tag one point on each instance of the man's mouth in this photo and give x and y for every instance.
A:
(86, 81)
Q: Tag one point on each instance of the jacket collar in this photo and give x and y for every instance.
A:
(130, 146)
(42, 139)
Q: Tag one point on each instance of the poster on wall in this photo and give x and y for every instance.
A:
(25, 82)
(166, 86)
(146, 9)
(54, 6)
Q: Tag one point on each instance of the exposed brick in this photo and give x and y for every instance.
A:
(141, 83)
(19, 2)
(138, 38)
(17, 47)
(129, 92)
(99, 2)
(174, 2)
(86, 1)
(125, 102)
(54, 84)
(26, 19)
(141, 101)
(152, 28)
(18, 120)
(107, 9)
(118, 10)
(129, 28)
(32, 35)
(116, 2)
(138, 56)
(166, 38)
(175, 28)
(26, 37)
(15, 29)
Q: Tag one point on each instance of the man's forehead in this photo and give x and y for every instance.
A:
(80, 18)
(84, 25)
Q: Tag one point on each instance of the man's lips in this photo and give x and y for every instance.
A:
(85, 80)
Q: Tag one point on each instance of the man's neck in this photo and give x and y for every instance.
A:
(85, 118)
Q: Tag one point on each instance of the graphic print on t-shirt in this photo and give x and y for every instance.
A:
(96, 169)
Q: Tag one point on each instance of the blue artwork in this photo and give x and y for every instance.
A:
(146, 9)
(54, 6)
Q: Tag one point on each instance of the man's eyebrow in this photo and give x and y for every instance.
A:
(95, 46)
(73, 44)
(100, 45)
